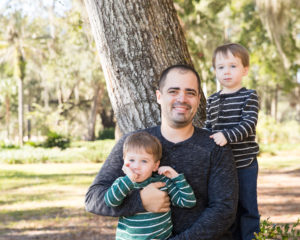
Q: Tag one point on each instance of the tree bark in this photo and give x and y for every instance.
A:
(136, 40)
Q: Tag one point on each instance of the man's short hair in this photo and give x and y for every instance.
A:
(180, 67)
(236, 49)
(143, 140)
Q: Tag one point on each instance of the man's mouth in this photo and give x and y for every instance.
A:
(181, 107)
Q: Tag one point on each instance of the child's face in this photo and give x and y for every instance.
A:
(141, 163)
(229, 72)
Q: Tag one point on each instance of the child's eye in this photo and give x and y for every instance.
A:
(233, 66)
(131, 160)
(144, 161)
(220, 68)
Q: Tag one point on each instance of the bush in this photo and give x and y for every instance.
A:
(268, 230)
(92, 152)
(56, 140)
(3, 145)
(106, 133)
(269, 131)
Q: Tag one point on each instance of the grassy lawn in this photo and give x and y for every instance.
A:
(279, 157)
(41, 200)
(45, 199)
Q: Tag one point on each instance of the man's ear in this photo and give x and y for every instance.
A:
(156, 166)
(158, 95)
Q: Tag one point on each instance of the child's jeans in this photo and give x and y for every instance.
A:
(247, 220)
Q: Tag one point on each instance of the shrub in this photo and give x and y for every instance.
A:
(56, 140)
(268, 230)
(106, 133)
(3, 145)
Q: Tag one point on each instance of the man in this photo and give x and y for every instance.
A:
(208, 168)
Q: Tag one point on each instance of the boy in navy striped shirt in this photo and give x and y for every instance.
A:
(231, 115)
(142, 153)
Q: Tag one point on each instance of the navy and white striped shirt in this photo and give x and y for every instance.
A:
(235, 115)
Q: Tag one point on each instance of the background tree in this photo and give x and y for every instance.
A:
(136, 40)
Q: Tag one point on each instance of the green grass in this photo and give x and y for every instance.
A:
(42, 195)
(94, 152)
(279, 156)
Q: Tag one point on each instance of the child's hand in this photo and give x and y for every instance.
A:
(127, 170)
(219, 138)
(167, 171)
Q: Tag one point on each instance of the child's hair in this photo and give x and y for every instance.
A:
(143, 140)
(236, 49)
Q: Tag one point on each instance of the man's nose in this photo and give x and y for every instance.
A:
(181, 97)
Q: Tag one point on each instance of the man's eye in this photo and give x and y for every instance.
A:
(172, 92)
(191, 93)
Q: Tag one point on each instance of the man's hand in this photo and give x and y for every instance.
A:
(155, 200)
(219, 138)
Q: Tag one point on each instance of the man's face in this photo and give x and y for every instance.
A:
(179, 98)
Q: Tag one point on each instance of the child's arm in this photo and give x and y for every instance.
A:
(248, 123)
(180, 192)
(118, 191)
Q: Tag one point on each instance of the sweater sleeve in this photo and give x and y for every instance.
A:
(248, 123)
(109, 172)
(207, 123)
(180, 192)
(118, 191)
(220, 212)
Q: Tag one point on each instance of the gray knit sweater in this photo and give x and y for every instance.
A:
(209, 169)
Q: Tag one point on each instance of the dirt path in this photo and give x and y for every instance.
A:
(279, 195)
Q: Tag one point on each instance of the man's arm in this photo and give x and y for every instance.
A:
(220, 213)
(248, 123)
(110, 171)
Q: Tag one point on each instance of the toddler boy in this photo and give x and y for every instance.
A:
(231, 115)
(142, 153)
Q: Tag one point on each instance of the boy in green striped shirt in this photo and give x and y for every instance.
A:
(142, 153)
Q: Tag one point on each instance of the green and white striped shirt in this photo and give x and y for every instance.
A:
(149, 225)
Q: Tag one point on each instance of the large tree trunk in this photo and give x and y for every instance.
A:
(136, 40)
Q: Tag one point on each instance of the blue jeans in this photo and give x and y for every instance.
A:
(247, 220)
